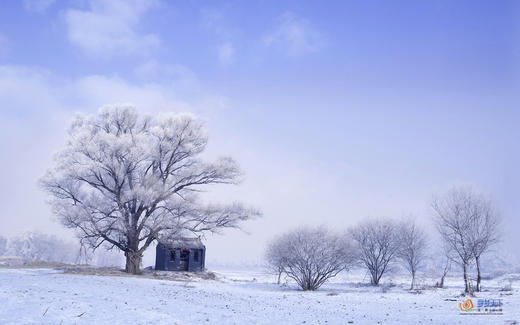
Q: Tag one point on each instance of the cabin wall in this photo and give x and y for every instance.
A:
(163, 259)
(196, 265)
(159, 258)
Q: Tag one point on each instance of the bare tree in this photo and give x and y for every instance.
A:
(276, 257)
(378, 246)
(124, 180)
(310, 256)
(483, 233)
(412, 247)
(446, 264)
(468, 225)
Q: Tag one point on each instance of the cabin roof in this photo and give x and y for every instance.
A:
(182, 242)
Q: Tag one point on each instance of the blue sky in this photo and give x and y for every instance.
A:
(336, 110)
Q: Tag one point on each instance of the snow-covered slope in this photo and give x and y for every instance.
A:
(36, 296)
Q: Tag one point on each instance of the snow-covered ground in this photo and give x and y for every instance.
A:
(247, 296)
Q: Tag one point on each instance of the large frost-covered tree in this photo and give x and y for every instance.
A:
(124, 180)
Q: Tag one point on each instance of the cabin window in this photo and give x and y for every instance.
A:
(172, 256)
(196, 256)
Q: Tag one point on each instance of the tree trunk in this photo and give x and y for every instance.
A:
(466, 284)
(477, 260)
(445, 272)
(279, 275)
(373, 278)
(133, 262)
(413, 280)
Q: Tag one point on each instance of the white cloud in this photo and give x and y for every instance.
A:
(148, 69)
(176, 89)
(97, 90)
(16, 83)
(37, 6)
(225, 52)
(295, 35)
(177, 75)
(214, 21)
(108, 28)
(29, 110)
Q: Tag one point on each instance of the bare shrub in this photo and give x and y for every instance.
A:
(377, 246)
(310, 256)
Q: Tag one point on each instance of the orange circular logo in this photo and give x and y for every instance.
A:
(466, 305)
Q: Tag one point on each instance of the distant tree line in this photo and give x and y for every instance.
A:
(37, 246)
(466, 222)
(41, 247)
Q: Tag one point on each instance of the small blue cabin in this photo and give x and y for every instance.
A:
(184, 254)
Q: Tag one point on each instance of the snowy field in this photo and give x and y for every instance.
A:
(44, 296)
